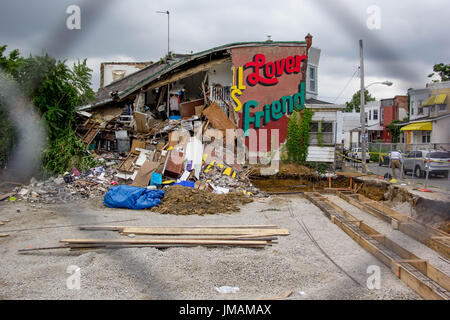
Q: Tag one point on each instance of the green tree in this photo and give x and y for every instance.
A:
(394, 129)
(9, 65)
(443, 70)
(56, 91)
(355, 103)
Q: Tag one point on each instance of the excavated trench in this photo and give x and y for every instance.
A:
(293, 178)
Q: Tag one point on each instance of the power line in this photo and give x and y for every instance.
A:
(345, 87)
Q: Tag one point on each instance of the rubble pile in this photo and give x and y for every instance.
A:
(164, 153)
(183, 201)
(73, 186)
(134, 148)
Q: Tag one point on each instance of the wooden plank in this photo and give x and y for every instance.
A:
(141, 122)
(418, 286)
(217, 117)
(101, 228)
(2, 235)
(120, 228)
(423, 288)
(407, 225)
(144, 174)
(6, 196)
(261, 237)
(163, 241)
(202, 231)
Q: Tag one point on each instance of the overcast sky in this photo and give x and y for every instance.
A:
(413, 34)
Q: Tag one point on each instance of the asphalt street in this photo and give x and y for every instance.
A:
(439, 182)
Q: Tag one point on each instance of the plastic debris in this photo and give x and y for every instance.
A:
(227, 289)
(132, 197)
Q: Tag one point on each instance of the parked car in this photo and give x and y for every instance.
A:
(356, 154)
(419, 161)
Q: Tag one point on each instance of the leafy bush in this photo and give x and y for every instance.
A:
(320, 167)
(66, 152)
(56, 91)
(297, 142)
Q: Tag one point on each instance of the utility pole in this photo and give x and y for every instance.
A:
(361, 109)
(168, 56)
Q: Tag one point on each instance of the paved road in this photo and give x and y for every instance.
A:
(437, 182)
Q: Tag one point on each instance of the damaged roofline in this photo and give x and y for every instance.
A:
(201, 54)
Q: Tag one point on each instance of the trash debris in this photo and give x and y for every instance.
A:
(227, 289)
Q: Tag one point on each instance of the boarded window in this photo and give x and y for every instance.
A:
(118, 74)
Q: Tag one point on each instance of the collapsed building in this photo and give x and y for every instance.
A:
(167, 108)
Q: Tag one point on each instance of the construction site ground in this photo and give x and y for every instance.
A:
(293, 264)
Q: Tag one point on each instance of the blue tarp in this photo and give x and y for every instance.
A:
(132, 197)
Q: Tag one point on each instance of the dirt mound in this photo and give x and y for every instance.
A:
(183, 201)
(288, 170)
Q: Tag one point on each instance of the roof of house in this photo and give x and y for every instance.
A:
(120, 89)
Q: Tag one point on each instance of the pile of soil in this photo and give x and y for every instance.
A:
(288, 170)
(184, 201)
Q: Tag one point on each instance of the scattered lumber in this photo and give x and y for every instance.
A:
(245, 236)
(202, 231)
(2, 235)
(161, 241)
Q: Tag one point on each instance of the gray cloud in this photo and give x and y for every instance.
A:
(411, 38)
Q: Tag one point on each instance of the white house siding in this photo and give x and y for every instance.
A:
(320, 154)
(330, 116)
(351, 120)
(221, 74)
(441, 131)
(417, 97)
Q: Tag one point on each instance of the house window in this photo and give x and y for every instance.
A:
(365, 116)
(426, 135)
(370, 114)
(382, 115)
(420, 110)
(442, 107)
(375, 114)
(312, 79)
(326, 129)
(432, 109)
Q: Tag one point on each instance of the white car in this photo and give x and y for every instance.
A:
(356, 154)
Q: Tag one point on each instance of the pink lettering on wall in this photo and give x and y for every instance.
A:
(273, 69)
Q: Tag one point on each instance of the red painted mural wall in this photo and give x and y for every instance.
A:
(287, 83)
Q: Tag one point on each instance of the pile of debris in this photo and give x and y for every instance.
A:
(71, 186)
(172, 152)
(138, 150)
(202, 201)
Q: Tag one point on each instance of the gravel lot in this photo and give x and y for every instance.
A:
(294, 263)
